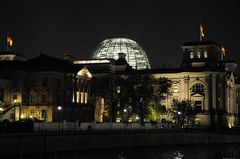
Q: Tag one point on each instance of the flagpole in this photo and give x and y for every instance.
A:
(200, 31)
(7, 43)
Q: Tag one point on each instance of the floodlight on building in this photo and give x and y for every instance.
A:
(179, 113)
(22, 116)
(59, 108)
(125, 110)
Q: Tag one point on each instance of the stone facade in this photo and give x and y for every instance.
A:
(52, 89)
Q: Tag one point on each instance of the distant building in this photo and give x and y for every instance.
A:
(52, 89)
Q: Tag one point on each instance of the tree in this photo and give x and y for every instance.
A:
(183, 112)
(105, 87)
(136, 95)
(147, 93)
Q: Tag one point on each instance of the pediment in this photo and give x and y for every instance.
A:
(84, 72)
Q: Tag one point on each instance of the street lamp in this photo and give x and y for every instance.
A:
(59, 108)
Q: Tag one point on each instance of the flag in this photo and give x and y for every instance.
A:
(222, 50)
(201, 31)
(9, 40)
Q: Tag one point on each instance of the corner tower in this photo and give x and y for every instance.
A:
(202, 54)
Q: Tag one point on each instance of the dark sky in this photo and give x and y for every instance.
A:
(77, 27)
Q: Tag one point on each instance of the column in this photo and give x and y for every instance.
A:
(214, 91)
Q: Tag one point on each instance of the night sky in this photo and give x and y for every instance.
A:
(77, 27)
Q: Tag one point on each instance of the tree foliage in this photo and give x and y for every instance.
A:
(183, 112)
(140, 94)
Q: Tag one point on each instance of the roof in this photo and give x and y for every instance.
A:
(45, 62)
(199, 43)
(11, 53)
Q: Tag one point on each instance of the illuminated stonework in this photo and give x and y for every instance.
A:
(135, 55)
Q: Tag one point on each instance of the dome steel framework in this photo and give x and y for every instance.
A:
(135, 55)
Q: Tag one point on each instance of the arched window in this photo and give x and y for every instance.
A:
(175, 87)
(205, 54)
(198, 54)
(191, 55)
(198, 87)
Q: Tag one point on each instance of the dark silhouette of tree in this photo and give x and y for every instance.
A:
(183, 112)
(146, 93)
(105, 87)
(136, 94)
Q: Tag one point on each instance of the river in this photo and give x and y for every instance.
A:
(217, 151)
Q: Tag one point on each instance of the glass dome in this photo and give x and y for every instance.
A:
(135, 55)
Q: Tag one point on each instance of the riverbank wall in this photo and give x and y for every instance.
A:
(31, 143)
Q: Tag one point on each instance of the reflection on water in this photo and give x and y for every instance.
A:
(220, 151)
(166, 152)
(178, 155)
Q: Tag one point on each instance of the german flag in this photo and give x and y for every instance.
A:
(201, 31)
(9, 40)
(222, 49)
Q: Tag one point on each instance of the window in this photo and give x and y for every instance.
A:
(118, 89)
(1, 95)
(14, 83)
(85, 99)
(205, 54)
(34, 82)
(44, 98)
(175, 88)
(198, 87)
(44, 114)
(14, 97)
(82, 97)
(198, 54)
(24, 98)
(69, 83)
(198, 105)
(78, 95)
(25, 82)
(33, 99)
(191, 55)
(45, 82)
(58, 82)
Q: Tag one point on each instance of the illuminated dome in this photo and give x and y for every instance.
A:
(135, 55)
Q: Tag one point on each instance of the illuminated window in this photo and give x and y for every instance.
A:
(205, 54)
(118, 89)
(191, 55)
(14, 97)
(78, 95)
(175, 88)
(198, 54)
(82, 97)
(86, 97)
